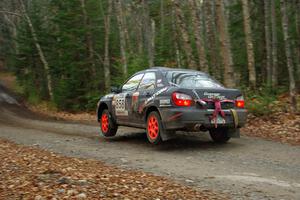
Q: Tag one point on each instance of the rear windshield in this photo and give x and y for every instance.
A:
(191, 80)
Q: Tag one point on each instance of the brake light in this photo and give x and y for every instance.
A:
(180, 99)
(240, 102)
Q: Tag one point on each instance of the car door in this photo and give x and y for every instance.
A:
(123, 100)
(145, 90)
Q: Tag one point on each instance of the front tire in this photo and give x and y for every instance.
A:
(108, 126)
(219, 135)
(154, 128)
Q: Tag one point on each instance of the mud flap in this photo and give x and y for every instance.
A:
(234, 132)
(167, 135)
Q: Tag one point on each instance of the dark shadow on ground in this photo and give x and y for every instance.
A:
(182, 141)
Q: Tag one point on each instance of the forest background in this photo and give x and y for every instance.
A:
(69, 53)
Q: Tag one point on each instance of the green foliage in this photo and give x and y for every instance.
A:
(78, 77)
(264, 101)
(260, 105)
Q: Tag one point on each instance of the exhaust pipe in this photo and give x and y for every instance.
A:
(197, 127)
(200, 127)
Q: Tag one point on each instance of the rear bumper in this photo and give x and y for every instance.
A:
(192, 118)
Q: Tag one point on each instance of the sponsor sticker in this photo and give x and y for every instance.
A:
(164, 102)
(214, 95)
(135, 98)
(159, 83)
(155, 94)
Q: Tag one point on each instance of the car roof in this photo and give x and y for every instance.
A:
(167, 69)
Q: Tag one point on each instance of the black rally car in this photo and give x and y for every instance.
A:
(165, 100)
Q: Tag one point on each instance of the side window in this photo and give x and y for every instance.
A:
(148, 81)
(132, 83)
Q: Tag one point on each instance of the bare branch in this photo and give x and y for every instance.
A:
(11, 13)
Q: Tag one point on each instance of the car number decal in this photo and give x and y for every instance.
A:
(120, 105)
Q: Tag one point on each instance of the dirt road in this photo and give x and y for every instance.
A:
(245, 168)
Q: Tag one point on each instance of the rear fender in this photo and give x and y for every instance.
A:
(165, 134)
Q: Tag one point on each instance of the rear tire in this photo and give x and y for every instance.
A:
(219, 135)
(108, 126)
(154, 128)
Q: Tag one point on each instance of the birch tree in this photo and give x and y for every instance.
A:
(39, 49)
(229, 78)
(288, 53)
(249, 44)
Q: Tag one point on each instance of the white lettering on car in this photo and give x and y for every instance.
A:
(214, 95)
(155, 94)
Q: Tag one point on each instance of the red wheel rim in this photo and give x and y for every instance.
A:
(153, 128)
(104, 123)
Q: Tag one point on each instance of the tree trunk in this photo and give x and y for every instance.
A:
(268, 41)
(152, 44)
(88, 37)
(288, 53)
(106, 62)
(13, 32)
(185, 36)
(13, 18)
(39, 50)
(125, 27)
(229, 78)
(198, 36)
(176, 40)
(249, 44)
(298, 41)
(162, 20)
(274, 45)
(122, 37)
(212, 43)
(149, 28)
(136, 24)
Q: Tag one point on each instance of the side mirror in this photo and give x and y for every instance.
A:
(115, 89)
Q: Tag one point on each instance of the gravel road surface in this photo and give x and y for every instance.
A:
(245, 168)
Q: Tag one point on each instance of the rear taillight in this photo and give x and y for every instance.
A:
(240, 102)
(180, 99)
